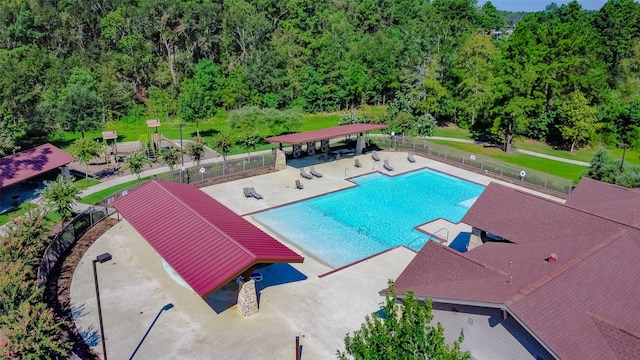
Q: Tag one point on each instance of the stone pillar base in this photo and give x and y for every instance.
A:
(248, 299)
(281, 160)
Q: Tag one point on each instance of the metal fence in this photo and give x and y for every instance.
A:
(204, 172)
(64, 240)
(481, 164)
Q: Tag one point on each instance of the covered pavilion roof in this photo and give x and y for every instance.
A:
(206, 243)
(329, 133)
(30, 163)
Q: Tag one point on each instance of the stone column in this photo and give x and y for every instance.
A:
(281, 159)
(475, 239)
(360, 144)
(248, 299)
(297, 150)
(311, 148)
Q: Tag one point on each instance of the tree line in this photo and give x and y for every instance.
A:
(565, 75)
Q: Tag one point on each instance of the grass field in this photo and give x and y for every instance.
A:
(97, 196)
(564, 170)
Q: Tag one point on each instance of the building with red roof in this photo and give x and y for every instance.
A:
(31, 163)
(553, 280)
(206, 243)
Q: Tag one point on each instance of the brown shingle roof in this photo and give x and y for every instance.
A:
(558, 302)
(611, 201)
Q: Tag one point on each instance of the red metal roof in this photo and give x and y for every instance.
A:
(329, 133)
(204, 241)
(582, 306)
(29, 163)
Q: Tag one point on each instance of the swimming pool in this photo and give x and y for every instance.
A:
(381, 213)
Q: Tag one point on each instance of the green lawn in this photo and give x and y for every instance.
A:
(97, 196)
(567, 171)
(453, 132)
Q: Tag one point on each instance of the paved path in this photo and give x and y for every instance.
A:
(522, 151)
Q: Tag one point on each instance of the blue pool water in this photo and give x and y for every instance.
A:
(381, 213)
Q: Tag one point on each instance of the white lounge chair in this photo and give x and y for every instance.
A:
(374, 155)
(254, 193)
(304, 174)
(387, 166)
(314, 172)
(299, 185)
(411, 158)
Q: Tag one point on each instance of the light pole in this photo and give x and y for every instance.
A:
(181, 152)
(164, 308)
(100, 259)
(624, 150)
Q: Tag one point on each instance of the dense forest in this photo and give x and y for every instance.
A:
(565, 75)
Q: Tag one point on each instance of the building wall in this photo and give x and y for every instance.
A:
(486, 334)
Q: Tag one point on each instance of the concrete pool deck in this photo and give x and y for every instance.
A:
(134, 286)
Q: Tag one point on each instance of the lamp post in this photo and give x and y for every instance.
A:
(164, 308)
(181, 151)
(624, 150)
(100, 259)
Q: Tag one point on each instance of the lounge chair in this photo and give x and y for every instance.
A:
(411, 158)
(255, 194)
(357, 164)
(387, 166)
(299, 185)
(374, 155)
(304, 174)
(314, 172)
(247, 192)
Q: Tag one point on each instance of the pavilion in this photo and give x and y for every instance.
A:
(206, 243)
(27, 165)
(324, 136)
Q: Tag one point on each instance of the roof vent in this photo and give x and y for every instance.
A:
(552, 258)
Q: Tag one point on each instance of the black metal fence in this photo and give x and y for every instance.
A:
(481, 164)
(196, 174)
(64, 240)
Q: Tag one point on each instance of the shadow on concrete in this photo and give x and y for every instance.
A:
(272, 275)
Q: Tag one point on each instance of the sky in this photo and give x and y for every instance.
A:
(539, 5)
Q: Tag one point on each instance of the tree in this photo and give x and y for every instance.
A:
(61, 195)
(475, 66)
(80, 108)
(170, 157)
(251, 140)
(195, 149)
(223, 142)
(401, 332)
(85, 150)
(579, 120)
(135, 162)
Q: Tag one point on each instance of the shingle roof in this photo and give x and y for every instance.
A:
(613, 202)
(329, 133)
(204, 241)
(582, 306)
(29, 163)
